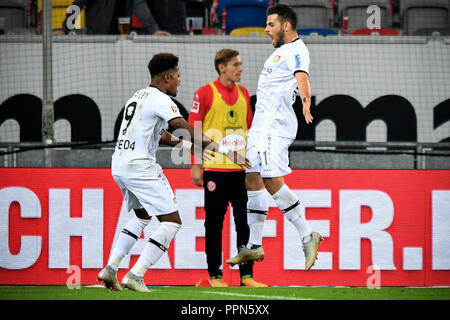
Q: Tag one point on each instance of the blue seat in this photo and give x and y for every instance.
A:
(244, 13)
(319, 31)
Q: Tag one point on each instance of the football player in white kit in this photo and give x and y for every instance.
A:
(145, 188)
(273, 130)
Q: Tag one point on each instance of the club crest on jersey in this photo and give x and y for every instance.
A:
(276, 58)
(175, 109)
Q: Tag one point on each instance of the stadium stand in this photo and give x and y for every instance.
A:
(444, 32)
(209, 31)
(198, 9)
(316, 31)
(373, 32)
(428, 15)
(135, 23)
(248, 31)
(244, 13)
(14, 15)
(356, 11)
(311, 13)
(59, 9)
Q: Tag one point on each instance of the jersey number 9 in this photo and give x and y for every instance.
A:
(129, 114)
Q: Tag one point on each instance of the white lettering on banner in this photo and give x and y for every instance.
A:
(293, 252)
(412, 258)
(62, 227)
(186, 257)
(351, 230)
(30, 246)
(125, 215)
(441, 230)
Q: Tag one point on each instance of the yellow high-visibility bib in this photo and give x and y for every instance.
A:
(226, 125)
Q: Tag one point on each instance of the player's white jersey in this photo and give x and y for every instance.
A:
(277, 89)
(145, 118)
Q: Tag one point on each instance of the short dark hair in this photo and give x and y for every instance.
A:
(162, 62)
(285, 13)
(223, 56)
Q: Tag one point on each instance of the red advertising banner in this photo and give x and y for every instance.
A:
(381, 227)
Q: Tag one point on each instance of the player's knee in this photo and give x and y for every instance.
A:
(273, 184)
(254, 182)
(165, 233)
(170, 229)
(172, 225)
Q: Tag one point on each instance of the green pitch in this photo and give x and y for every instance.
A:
(230, 293)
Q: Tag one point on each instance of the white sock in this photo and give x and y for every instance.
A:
(257, 208)
(157, 244)
(127, 238)
(289, 204)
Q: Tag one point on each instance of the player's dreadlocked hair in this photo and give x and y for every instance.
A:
(285, 13)
(162, 62)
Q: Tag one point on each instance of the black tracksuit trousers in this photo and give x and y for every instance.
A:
(222, 188)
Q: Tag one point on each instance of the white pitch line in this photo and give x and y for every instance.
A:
(95, 286)
(258, 296)
(253, 295)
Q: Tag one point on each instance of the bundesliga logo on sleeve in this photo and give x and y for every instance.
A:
(297, 61)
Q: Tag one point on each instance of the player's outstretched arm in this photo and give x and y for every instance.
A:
(200, 141)
(173, 141)
(304, 89)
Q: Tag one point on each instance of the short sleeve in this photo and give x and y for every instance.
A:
(167, 109)
(299, 59)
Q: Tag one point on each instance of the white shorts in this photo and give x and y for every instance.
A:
(154, 195)
(269, 155)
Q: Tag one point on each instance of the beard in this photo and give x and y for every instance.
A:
(278, 39)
